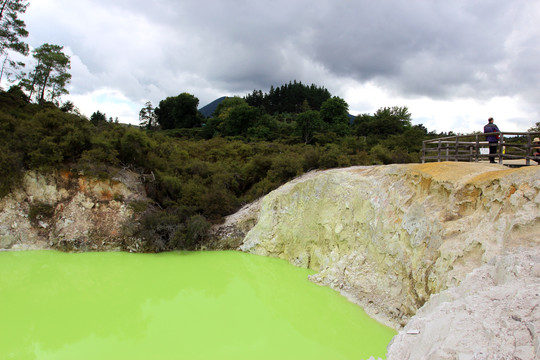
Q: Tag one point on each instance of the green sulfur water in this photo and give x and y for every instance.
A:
(204, 305)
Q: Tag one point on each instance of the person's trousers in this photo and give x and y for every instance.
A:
(492, 151)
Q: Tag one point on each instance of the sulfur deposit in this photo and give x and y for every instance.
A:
(399, 238)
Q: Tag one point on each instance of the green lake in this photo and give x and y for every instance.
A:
(194, 305)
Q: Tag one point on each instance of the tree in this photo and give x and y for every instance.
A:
(98, 118)
(265, 127)
(385, 122)
(58, 86)
(256, 98)
(227, 104)
(535, 128)
(12, 30)
(178, 112)
(69, 107)
(289, 98)
(49, 74)
(335, 112)
(307, 123)
(238, 119)
(147, 117)
(361, 124)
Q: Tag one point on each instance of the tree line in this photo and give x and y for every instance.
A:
(295, 113)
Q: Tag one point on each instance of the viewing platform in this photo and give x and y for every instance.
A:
(514, 149)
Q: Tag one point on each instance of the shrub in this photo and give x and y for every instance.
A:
(381, 155)
(11, 174)
(196, 229)
(311, 159)
(138, 206)
(217, 202)
(134, 145)
(329, 157)
(159, 230)
(400, 156)
(170, 186)
(256, 169)
(284, 168)
(46, 155)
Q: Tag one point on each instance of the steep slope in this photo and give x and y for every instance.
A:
(389, 237)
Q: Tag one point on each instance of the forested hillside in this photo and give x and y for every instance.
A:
(294, 113)
(196, 175)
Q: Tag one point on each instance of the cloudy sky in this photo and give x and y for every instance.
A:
(452, 63)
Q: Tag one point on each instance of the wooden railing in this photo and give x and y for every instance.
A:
(474, 147)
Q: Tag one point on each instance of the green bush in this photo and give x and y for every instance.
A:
(196, 229)
(330, 157)
(311, 159)
(217, 202)
(159, 231)
(138, 206)
(259, 189)
(284, 168)
(134, 146)
(381, 154)
(11, 174)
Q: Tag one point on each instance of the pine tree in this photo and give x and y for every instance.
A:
(12, 31)
(49, 74)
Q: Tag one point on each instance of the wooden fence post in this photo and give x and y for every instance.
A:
(529, 151)
(500, 149)
(457, 149)
(477, 147)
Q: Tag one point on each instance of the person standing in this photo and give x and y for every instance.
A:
(490, 127)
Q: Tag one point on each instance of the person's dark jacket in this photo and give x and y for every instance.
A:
(489, 128)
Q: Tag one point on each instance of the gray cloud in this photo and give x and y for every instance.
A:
(437, 49)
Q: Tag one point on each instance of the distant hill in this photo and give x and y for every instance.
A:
(208, 110)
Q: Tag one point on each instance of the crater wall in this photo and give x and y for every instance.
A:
(390, 237)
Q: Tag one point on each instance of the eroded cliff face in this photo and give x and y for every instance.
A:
(389, 237)
(70, 212)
